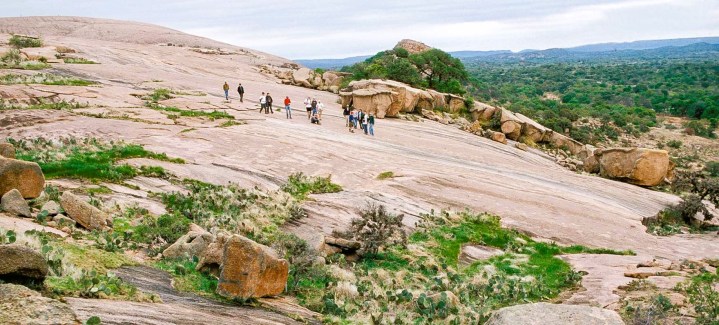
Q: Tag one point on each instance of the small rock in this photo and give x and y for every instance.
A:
(23, 263)
(521, 146)
(7, 150)
(14, 203)
(52, 224)
(84, 213)
(344, 244)
(194, 243)
(51, 207)
(62, 220)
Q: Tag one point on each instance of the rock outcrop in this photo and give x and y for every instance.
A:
(13, 202)
(20, 305)
(7, 150)
(644, 167)
(194, 243)
(293, 74)
(251, 270)
(26, 177)
(84, 213)
(388, 98)
(551, 314)
(413, 46)
(20, 263)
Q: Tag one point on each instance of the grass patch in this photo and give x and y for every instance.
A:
(701, 294)
(78, 61)
(61, 105)
(213, 115)
(24, 41)
(230, 123)
(91, 258)
(300, 185)
(385, 175)
(187, 279)
(88, 159)
(43, 79)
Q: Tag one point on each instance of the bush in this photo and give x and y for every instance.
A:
(12, 57)
(702, 128)
(385, 175)
(24, 41)
(299, 185)
(676, 144)
(712, 168)
(377, 229)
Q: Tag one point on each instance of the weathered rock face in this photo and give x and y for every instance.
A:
(413, 46)
(21, 263)
(551, 314)
(211, 258)
(251, 270)
(304, 77)
(644, 167)
(7, 150)
(497, 136)
(85, 214)
(24, 176)
(589, 160)
(387, 98)
(20, 305)
(194, 243)
(14, 203)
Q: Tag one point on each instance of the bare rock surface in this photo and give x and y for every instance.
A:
(176, 307)
(552, 314)
(20, 305)
(471, 253)
(20, 225)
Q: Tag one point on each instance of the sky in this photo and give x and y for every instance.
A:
(308, 29)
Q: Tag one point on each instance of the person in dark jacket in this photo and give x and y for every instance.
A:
(241, 91)
(268, 104)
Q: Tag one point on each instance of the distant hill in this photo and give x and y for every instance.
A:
(679, 47)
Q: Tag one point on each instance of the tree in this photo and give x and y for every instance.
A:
(439, 68)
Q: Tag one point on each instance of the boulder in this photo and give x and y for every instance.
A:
(21, 263)
(559, 140)
(644, 167)
(20, 305)
(84, 213)
(551, 314)
(386, 97)
(455, 103)
(532, 130)
(343, 244)
(302, 77)
(24, 176)
(590, 161)
(511, 124)
(51, 207)
(13, 202)
(211, 258)
(194, 243)
(251, 270)
(496, 136)
(482, 111)
(7, 150)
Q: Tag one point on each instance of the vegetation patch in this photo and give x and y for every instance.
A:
(19, 41)
(43, 79)
(300, 185)
(702, 295)
(385, 175)
(13, 59)
(87, 158)
(61, 105)
(78, 61)
(152, 100)
(187, 279)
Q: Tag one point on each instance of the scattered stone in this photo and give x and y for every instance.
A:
(24, 176)
(644, 167)
(84, 213)
(521, 146)
(194, 243)
(51, 207)
(551, 314)
(20, 305)
(14, 203)
(497, 136)
(20, 263)
(7, 150)
(343, 244)
(251, 270)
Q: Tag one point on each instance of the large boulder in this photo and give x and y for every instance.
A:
(590, 161)
(511, 124)
(559, 140)
(21, 263)
(13, 202)
(302, 77)
(552, 314)
(194, 243)
(455, 103)
(251, 270)
(7, 150)
(386, 97)
(20, 305)
(533, 131)
(24, 176)
(84, 213)
(644, 167)
(211, 258)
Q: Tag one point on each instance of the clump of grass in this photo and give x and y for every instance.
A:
(43, 79)
(385, 175)
(46, 105)
(78, 61)
(230, 123)
(160, 94)
(95, 285)
(19, 41)
(88, 159)
(300, 185)
(703, 297)
(187, 279)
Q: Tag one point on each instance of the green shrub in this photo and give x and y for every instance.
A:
(676, 144)
(385, 175)
(702, 128)
(377, 229)
(300, 186)
(24, 41)
(78, 61)
(712, 168)
(187, 279)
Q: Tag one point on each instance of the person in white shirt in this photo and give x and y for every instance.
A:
(263, 100)
(308, 106)
(320, 108)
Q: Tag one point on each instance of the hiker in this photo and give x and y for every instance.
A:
(346, 115)
(308, 106)
(313, 105)
(263, 100)
(364, 123)
(268, 104)
(288, 109)
(350, 121)
(226, 88)
(315, 118)
(241, 91)
(370, 124)
(320, 108)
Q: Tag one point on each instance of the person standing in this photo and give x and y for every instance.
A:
(308, 106)
(370, 124)
(241, 91)
(268, 104)
(364, 123)
(350, 121)
(288, 109)
(320, 108)
(226, 88)
(313, 106)
(355, 118)
(346, 114)
(263, 101)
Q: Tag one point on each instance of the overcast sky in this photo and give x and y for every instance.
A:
(335, 28)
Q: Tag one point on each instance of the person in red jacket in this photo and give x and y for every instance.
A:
(288, 109)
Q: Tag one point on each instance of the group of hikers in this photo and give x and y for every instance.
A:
(353, 118)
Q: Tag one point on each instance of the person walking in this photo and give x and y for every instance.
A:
(364, 123)
(346, 115)
(308, 106)
(288, 109)
(350, 121)
(241, 91)
(313, 105)
(263, 101)
(355, 118)
(226, 88)
(268, 104)
(370, 124)
(320, 108)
